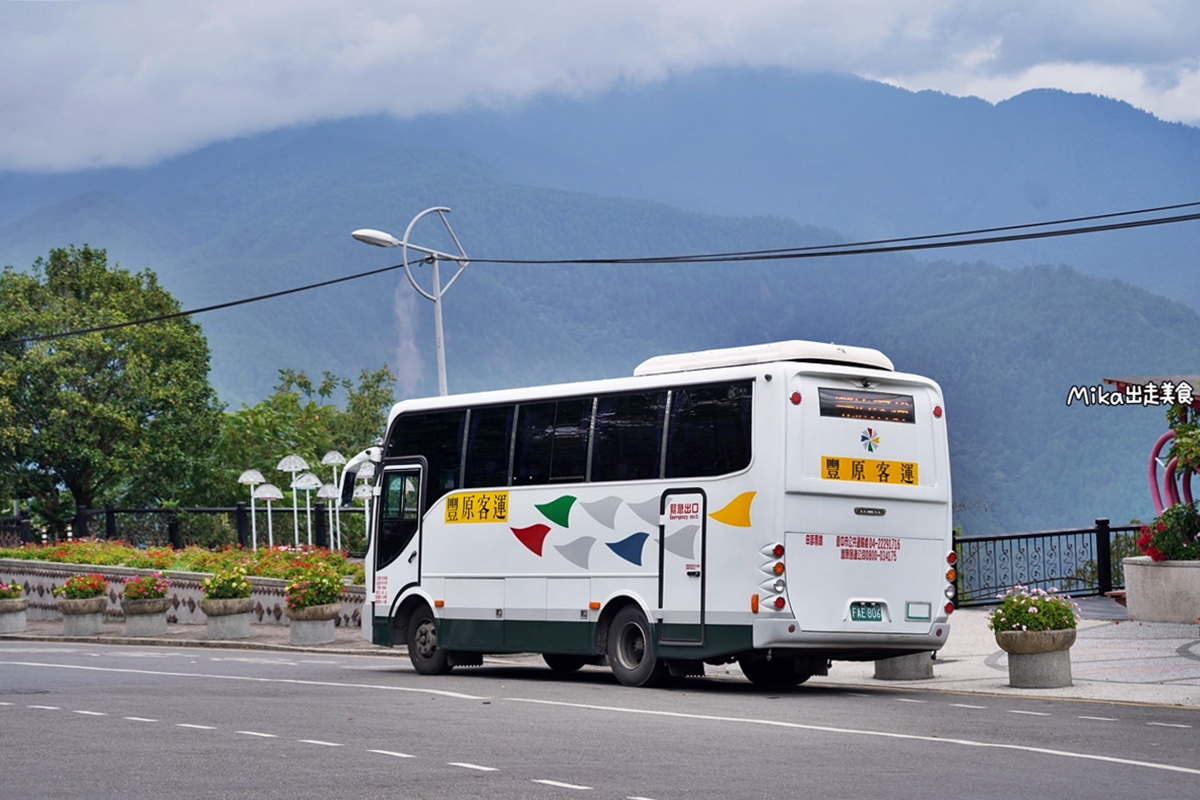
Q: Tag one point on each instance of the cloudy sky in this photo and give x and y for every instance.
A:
(128, 82)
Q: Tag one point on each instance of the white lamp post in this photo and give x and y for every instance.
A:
(329, 492)
(363, 490)
(252, 478)
(270, 493)
(306, 481)
(334, 458)
(293, 464)
(432, 257)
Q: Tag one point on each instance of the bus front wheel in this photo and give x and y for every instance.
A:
(423, 651)
(631, 650)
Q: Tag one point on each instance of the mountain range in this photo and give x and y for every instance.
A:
(716, 161)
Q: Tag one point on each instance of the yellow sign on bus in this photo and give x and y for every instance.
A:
(869, 470)
(477, 507)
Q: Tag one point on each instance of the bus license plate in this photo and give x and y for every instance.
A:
(866, 612)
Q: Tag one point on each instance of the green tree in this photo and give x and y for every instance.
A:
(300, 418)
(124, 416)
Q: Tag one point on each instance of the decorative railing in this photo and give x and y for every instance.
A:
(1077, 561)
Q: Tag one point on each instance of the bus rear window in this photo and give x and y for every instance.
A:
(854, 404)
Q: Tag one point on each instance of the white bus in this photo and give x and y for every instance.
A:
(781, 505)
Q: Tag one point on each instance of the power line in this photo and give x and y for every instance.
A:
(877, 245)
(966, 238)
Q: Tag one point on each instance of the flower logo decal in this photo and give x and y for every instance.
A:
(869, 439)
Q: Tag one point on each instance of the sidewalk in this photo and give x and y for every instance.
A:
(1113, 660)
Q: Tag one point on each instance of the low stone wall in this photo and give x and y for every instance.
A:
(1162, 591)
(41, 578)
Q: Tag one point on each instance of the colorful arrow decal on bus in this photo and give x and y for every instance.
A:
(630, 548)
(558, 511)
(647, 509)
(532, 537)
(737, 513)
(603, 511)
(578, 551)
(682, 542)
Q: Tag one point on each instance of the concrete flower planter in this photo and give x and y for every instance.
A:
(1162, 591)
(314, 624)
(83, 617)
(12, 615)
(147, 617)
(1038, 659)
(228, 618)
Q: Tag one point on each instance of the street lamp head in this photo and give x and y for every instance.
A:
(252, 477)
(377, 238)
(333, 457)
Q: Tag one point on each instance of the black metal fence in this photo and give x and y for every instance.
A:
(1078, 561)
(15, 530)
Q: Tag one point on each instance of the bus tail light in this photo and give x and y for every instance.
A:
(773, 550)
(949, 609)
(774, 586)
(795, 398)
(951, 574)
(952, 558)
(779, 602)
(753, 604)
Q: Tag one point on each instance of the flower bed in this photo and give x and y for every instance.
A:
(39, 579)
(268, 562)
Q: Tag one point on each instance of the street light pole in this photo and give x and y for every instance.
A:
(432, 257)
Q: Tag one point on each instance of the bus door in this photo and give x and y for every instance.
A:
(681, 562)
(396, 550)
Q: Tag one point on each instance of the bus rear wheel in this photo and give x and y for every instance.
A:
(423, 651)
(778, 673)
(560, 662)
(631, 650)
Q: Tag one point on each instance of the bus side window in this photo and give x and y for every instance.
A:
(398, 515)
(709, 430)
(552, 442)
(628, 436)
(437, 436)
(535, 436)
(568, 458)
(488, 438)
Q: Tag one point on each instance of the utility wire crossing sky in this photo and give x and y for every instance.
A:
(979, 236)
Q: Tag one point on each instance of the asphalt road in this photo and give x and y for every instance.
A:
(92, 721)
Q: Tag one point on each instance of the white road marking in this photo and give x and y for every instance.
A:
(92, 713)
(5, 704)
(293, 681)
(1168, 725)
(46, 708)
(256, 733)
(1029, 713)
(197, 727)
(139, 719)
(1101, 719)
(636, 797)
(907, 700)
(967, 705)
(858, 732)
(465, 765)
(318, 741)
(562, 785)
(391, 753)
